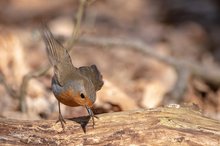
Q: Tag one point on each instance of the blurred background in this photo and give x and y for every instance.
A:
(183, 38)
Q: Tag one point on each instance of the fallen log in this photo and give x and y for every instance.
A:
(172, 125)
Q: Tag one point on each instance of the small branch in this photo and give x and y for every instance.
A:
(177, 93)
(8, 88)
(76, 31)
(129, 43)
(24, 85)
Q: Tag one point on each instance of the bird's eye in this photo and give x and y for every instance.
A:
(82, 95)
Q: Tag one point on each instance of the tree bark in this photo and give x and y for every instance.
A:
(161, 126)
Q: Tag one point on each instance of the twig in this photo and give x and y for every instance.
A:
(8, 88)
(177, 93)
(129, 43)
(24, 85)
(76, 31)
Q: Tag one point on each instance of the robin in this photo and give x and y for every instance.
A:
(71, 86)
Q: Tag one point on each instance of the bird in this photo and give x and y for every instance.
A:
(70, 85)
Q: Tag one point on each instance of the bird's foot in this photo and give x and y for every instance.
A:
(62, 121)
(91, 114)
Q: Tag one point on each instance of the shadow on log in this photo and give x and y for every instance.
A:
(161, 126)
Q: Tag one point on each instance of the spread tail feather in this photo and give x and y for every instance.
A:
(58, 56)
(56, 52)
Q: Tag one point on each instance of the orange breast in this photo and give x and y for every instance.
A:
(70, 99)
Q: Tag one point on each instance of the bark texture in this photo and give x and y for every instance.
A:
(163, 126)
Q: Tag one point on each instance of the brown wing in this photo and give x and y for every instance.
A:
(92, 73)
(58, 56)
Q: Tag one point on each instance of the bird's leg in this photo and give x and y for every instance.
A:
(91, 114)
(61, 119)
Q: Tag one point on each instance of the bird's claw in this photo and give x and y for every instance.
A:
(62, 121)
(91, 114)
